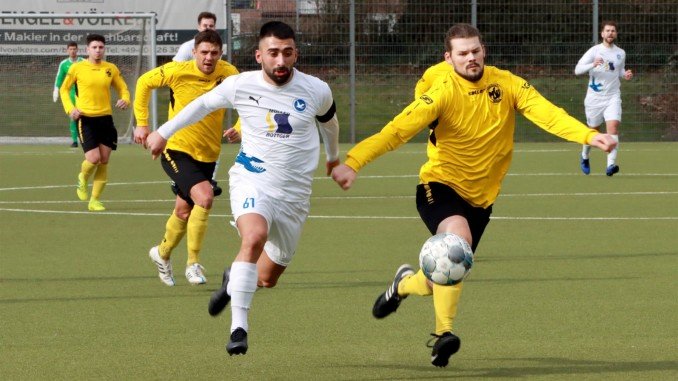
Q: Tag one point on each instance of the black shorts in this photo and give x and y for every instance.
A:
(436, 202)
(96, 130)
(185, 171)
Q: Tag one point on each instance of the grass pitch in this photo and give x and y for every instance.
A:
(575, 277)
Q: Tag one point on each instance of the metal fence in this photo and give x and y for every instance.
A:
(373, 52)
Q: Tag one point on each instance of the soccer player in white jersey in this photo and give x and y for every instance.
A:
(605, 64)
(206, 21)
(280, 109)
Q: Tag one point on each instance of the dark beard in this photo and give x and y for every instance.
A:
(280, 80)
(471, 78)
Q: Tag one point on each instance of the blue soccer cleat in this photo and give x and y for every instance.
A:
(585, 166)
(612, 169)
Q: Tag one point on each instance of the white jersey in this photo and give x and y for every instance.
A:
(185, 52)
(280, 142)
(604, 79)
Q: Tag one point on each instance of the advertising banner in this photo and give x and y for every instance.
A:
(176, 22)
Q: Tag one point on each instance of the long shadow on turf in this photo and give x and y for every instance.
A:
(564, 366)
(546, 366)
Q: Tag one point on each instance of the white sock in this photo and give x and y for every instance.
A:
(242, 285)
(612, 156)
(586, 149)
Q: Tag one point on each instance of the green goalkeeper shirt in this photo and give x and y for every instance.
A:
(61, 73)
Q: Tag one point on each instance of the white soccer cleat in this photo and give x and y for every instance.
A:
(164, 267)
(195, 274)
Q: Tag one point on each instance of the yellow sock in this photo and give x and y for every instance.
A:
(414, 284)
(175, 229)
(100, 179)
(87, 168)
(445, 300)
(197, 226)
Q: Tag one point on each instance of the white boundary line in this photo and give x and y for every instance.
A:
(524, 218)
(378, 177)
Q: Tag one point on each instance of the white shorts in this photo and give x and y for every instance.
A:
(600, 111)
(285, 219)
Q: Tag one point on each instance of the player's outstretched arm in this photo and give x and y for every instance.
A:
(344, 175)
(603, 141)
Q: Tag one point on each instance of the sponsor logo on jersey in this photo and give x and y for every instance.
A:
(278, 124)
(251, 163)
(255, 99)
(595, 86)
(426, 99)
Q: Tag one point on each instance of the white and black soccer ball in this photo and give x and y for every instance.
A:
(446, 259)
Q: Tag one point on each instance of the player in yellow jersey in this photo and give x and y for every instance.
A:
(93, 79)
(191, 154)
(470, 110)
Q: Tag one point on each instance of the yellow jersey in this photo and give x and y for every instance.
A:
(201, 140)
(93, 87)
(470, 144)
(430, 75)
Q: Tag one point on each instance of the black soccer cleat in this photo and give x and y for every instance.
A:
(445, 346)
(388, 302)
(238, 343)
(74, 145)
(216, 189)
(220, 297)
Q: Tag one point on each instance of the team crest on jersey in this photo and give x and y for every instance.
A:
(108, 72)
(300, 105)
(495, 93)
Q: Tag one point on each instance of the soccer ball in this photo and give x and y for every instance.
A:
(446, 259)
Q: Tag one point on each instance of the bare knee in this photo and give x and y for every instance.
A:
(202, 195)
(267, 283)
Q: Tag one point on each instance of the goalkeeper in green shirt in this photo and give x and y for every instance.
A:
(72, 50)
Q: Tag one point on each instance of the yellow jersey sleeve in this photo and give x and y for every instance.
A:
(152, 79)
(64, 90)
(548, 116)
(431, 74)
(413, 119)
(120, 86)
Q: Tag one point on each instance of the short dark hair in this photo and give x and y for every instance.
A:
(606, 23)
(96, 37)
(461, 31)
(210, 36)
(207, 15)
(277, 29)
(72, 43)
